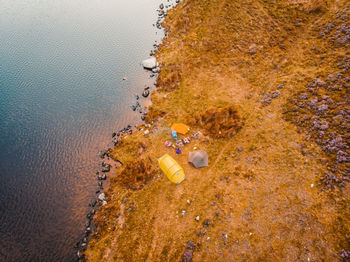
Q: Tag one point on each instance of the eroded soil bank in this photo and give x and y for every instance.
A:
(267, 84)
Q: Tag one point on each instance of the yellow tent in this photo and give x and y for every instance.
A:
(171, 168)
(180, 128)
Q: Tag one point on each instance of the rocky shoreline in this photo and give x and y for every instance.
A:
(108, 165)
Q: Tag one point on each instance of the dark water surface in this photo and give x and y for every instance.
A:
(61, 96)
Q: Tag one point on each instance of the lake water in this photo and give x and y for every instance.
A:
(61, 97)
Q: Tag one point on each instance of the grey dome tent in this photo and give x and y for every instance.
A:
(198, 158)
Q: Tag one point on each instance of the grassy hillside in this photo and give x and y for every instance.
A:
(276, 188)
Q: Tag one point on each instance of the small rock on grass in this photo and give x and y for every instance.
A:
(206, 223)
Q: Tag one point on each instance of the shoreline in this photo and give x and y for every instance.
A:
(266, 171)
(110, 165)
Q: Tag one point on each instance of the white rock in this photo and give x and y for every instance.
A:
(188, 201)
(312, 185)
(197, 218)
(101, 196)
(149, 63)
(183, 212)
(146, 132)
(104, 202)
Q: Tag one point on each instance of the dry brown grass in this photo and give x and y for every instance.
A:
(218, 122)
(311, 5)
(136, 174)
(263, 201)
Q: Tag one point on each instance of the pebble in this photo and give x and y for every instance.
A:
(101, 196)
(183, 212)
(197, 218)
(206, 223)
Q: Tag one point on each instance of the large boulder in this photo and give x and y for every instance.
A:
(149, 63)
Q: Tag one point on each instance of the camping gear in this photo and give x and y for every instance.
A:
(198, 158)
(186, 140)
(179, 143)
(172, 169)
(178, 151)
(180, 128)
(168, 144)
(174, 135)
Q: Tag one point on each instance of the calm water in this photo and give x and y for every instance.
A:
(61, 96)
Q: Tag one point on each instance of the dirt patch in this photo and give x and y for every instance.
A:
(219, 122)
(136, 174)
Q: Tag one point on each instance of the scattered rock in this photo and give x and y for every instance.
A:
(101, 197)
(102, 176)
(252, 49)
(80, 254)
(206, 223)
(156, 70)
(145, 93)
(106, 168)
